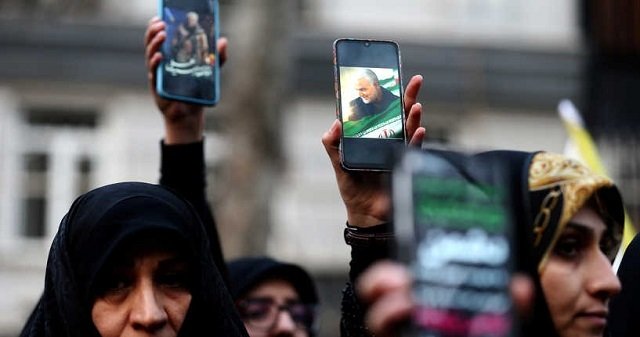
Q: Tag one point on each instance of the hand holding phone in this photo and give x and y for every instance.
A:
(190, 67)
(365, 194)
(369, 95)
(184, 122)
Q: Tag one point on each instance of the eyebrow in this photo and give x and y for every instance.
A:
(580, 227)
(585, 229)
(271, 299)
(174, 261)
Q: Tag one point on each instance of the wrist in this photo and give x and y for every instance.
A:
(380, 235)
(364, 220)
(175, 136)
(185, 129)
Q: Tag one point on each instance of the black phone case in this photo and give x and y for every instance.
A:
(456, 231)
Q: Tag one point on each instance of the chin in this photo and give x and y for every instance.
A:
(593, 332)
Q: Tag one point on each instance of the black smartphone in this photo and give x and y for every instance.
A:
(190, 67)
(455, 230)
(369, 95)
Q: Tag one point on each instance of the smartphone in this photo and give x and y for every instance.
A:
(369, 96)
(190, 67)
(454, 229)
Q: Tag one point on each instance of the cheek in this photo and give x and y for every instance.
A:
(562, 288)
(109, 320)
(301, 333)
(177, 305)
(252, 331)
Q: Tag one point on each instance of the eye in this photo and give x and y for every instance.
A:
(255, 309)
(173, 273)
(568, 246)
(302, 313)
(609, 245)
(114, 285)
(174, 279)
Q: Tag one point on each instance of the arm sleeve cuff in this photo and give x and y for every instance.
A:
(362, 256)
(183, 168)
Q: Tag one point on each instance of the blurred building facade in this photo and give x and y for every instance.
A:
(75, 113)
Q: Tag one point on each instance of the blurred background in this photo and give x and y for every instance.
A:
(75, 111)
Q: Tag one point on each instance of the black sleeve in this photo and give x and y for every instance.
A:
(183, 170)
(362, 256)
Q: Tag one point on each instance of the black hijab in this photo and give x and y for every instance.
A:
(624, 308)
(93, 230)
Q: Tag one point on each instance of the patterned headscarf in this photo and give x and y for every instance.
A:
(558, 188)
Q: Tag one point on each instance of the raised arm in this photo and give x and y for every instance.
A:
(367, 201)
(182, 149)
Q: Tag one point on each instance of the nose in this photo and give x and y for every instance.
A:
(603, 282)
(147, 312)
(285, 326)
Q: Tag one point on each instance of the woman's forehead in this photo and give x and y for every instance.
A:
(148, 244)
(589, 219)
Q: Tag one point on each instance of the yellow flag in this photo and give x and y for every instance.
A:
(581, 146)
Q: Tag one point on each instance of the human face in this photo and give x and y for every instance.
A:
(147, 297)
(273, 308)
(578, 280)
(368, 91)
(192, 19)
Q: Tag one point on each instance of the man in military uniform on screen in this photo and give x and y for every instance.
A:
(373, 98)
(190, 42)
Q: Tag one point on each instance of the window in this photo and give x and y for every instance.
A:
(34, 202)
(52, 9)
(56, 163)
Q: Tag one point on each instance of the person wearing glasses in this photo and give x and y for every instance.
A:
(273, 298)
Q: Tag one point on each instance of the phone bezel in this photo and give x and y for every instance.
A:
(371, 154)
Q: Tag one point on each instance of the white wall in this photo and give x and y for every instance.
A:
(523, 23)
(309, 215)
(516, 130)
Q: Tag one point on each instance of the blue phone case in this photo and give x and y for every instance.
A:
(187, 73)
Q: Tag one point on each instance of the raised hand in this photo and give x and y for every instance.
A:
(365, 194)
(184, 122)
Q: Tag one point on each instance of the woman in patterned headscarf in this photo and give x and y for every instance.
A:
(577, 228)
(573, 220)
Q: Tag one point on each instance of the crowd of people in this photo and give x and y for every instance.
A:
(140, 259)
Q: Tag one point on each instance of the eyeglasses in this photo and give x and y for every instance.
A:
(262, 313)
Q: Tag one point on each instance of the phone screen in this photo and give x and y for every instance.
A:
(369, 92)
(189, 70)
(454, 229)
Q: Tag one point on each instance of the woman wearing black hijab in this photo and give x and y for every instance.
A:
(132, 259)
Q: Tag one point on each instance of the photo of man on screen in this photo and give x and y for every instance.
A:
(372, 98)
(190, 41)
(371, 108)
